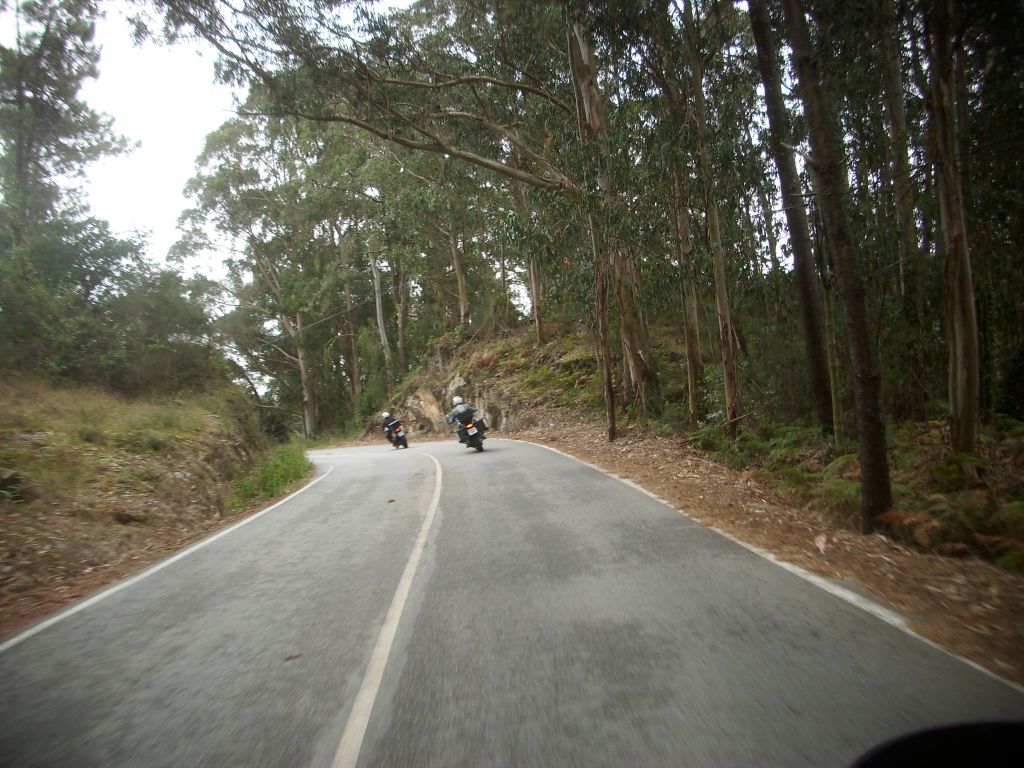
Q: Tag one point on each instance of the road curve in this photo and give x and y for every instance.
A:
(550, 615)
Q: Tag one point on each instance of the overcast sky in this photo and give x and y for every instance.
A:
(165, 99)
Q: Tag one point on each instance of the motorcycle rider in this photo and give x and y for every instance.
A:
(388, 424)
(463, 413)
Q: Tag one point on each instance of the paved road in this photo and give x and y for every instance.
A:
(546, 615)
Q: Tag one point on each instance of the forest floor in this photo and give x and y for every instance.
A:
(965, 605)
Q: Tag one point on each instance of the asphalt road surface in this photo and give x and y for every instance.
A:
(441, 607)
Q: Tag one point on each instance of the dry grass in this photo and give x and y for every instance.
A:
(112, 483)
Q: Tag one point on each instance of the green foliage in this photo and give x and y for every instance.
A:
(839, 495)
(283, 466)
(78, 303)
(711, 438)
(1009, 519)
(948, 476)
(1010, 562)
(141, 441)
(316, 203)
(841, 465)
(47, 133)
(91, 435)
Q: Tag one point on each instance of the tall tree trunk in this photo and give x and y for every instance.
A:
(381, 329)
(350, 352)
(308, 396)
(769, 226)
(730, 371)
(910, 254)
(294, 331)
(694, 365)
(400, 291)
(458, 265)
(629, 387)
(588, 117)
(830, 181)
(691, 329)
(351, 341)
(523, 212)
(504, 285)
(535, 297)
(593, 131)
(896, 116)
(638, 367)
(604, 352)
(961, 317)
(811, 310)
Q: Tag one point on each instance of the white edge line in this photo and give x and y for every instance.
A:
(68, 612)
(359, 718)
(865, 604)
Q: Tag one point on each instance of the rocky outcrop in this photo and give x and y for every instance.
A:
(425, 411)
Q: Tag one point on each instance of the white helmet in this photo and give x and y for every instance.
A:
(385, 415)
(456, 400)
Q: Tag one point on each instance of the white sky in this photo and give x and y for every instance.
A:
(166, 99)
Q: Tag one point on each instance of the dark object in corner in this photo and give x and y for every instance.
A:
(985, 745)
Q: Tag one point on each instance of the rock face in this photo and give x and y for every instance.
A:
(423, 412)
(426, 411)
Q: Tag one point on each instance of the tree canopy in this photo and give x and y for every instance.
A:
(817, 203)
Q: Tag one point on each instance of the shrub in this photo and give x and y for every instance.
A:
(91, 435)
(280, 468)
(143, 441)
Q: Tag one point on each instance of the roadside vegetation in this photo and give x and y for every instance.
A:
(275, 473)
(95, 484)
(936, 507)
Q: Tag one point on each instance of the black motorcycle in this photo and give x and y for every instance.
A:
(470, 431)
(395, 433)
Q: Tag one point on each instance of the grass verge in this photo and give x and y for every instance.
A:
(284, 465)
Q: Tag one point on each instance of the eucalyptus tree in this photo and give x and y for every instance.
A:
(989, 56)
(448, 78)
(726, 332)
(781, 144)
(251, 186)
(891, 52)
(961, 317)
(831, 188)
(653, 38)
(686, 70)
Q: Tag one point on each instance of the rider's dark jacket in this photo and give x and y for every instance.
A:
(463, 413)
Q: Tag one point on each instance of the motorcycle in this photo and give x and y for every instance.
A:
(471, 433)
(395, 434)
